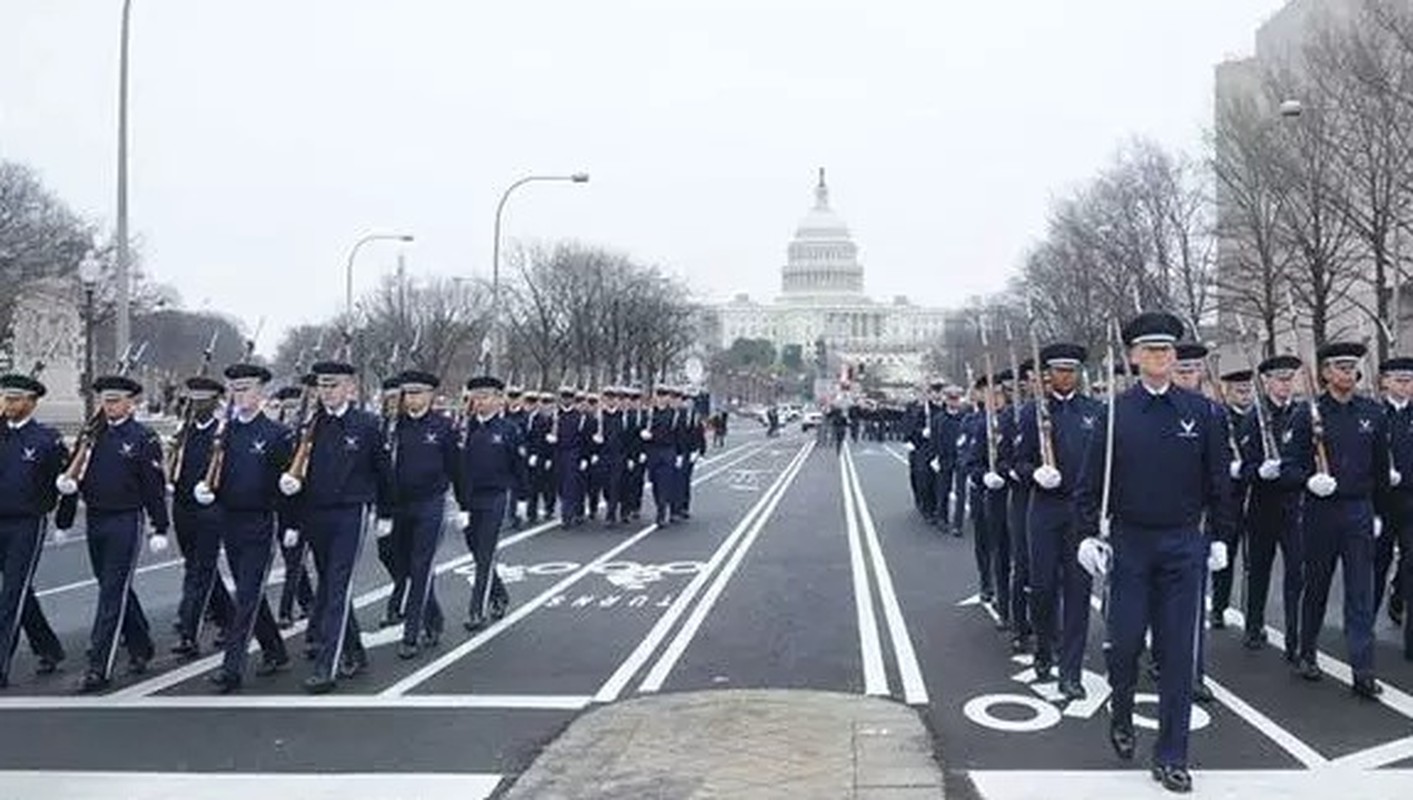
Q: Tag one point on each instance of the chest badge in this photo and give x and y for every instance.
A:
(1189, 429)
(257, 447)
(126, 449)
(1366, 426)
(1287, 436)
(29, 455)
(1087, 422)
(495, 438)
(431, 438)
(350, 443)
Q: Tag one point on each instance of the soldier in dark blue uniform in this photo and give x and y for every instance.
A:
(1017, 507)
(539, 455)
(254, 452)
(198, 526)
(694, 446)
(32, 455)
(921, 453)
(424, 456)
(1060, 590)
(970, 449)
(1273, 513)
(993, 481)
(635, 456)
(1237, 397)
(1347, 461)
(119, 479)
(1398, 380)
(1170, 468)
(570, 438)
(297, 585)
(393, 543)
(346, 475)
(660, 442)
(491, 470)
(611, 455)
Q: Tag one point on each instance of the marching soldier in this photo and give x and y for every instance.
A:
(635, 455)
(921, 453)
(1341, 442)
(250, 452)
(424, 456)
(118, 474)
(1169, 467)
(660, 441)
(570, 439)
(1273, 515)
(950, 486)
(297, 586)
(491, 470)
(394, 545)
(1017, 501)
(693, 447)
(1050, 454)
(198, 526)
(997, 538)
(517, 410)
(32, 455)
(611, 452)
(339, 472)
(1236, 406)
(1398, 373)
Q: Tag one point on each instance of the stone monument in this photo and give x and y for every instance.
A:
(48, 328)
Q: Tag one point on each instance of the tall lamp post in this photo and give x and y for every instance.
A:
(494, 350)
(89, 272)
(353, 254)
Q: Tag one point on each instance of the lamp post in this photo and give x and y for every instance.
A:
(353, 254)
(494, 350)
(88, 271)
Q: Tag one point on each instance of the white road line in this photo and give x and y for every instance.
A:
(35, 785)
(894, 453)
(614, 686)
(203, 665)
(278, 701)
(1207, 784)
(657, 676)
(909, 671)
(870, 644)
(1378, 756)
(1271, 729)
(69, 587)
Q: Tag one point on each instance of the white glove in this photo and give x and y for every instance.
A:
(583, 464)
(291, 537)
(1394, 477)
(1046, 476)
(1106, 527)
(1014, 476)
(463, 520)
(203, 494)
(157, 544)
(1094, 557)
(936, 464)
(1235, 469)
(593, 459)
(551, 438)
(290, 485)
(909, 446)
(693, 456)
(531, 460)
(927, 433)
(171, 488)
(645, 434)
(642, 458)
(522, 508)
(993, 481)
(65, 485)
(1217, 557)
(1270, 469)
(383, 527)
(60, 536)
(679, 462)
(1378, 527)
(598, 438)
(1322, 484)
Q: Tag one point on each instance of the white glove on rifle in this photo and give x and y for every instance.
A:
(936, 464)
(909, 446)
(598, 438)
(1235, 469)
(551, 438)
(1394, 477)
(383, 527)
(1046, 476)
(532, 460)
(66, 485)
(291, 538)
(1322, 484)
(993, 481)
(171, 488)
(642, 458)
(679, 462)
(693, 456)
(927, 433)
(1217, 557)
(1270, 469)
(593, 459)
(1095, 556)
(583, 464)
(203, 493)
(645, 434)
(1378, 527)
(463, 520)
(1106, 527)
(157, 543)
(290, 485)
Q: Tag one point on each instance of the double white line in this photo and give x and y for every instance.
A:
(863, 547)
(737, 544)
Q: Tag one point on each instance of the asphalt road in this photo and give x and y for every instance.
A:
(800, 568)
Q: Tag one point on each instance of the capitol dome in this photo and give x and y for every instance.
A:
(822, 259)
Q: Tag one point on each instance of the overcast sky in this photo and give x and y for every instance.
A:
(267, 135)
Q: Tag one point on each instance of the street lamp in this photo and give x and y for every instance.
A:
(89, 271)
(353, 254)
(578, 177)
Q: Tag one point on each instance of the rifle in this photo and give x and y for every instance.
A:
(178, 451)
(309, 422)
(83, 448)
(218, 442)
(1317, 421)
(1268, 442)
(1016, 372)
(1043, 424)
(987, 398)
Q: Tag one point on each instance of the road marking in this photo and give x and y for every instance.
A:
(278, 701)
(870, 643)
(469, 646)
(657, 676)
(914, 689)
(1208, 784)
(69, 587)
(85, 785)
(614, 686)
(1378, 756)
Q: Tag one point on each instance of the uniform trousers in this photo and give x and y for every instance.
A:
(1273, 520)
(114, 543)
(1340, 530)
(1060, 589)
(21, 542)
(199, 530)
(249, 539)
(485, 509)
(335, 534)
(421, 522)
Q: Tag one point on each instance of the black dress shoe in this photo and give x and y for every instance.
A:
(92, 682)
(1022, 643)
(1308, 670)
(137, 666)
(431, 638)
(187, 648)
(269, 665)
(311, 652)
(407, 650)
(1073, 689)
(1218, 620)
(1255, 640)
(1367, 688)
(1201, 694)
(285, 623)
(318, 684)
(224, 682)
(48, 665)
(475, 623)
(353, 665)
(1174, 779)
(1121, 738)
(1043, 672)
